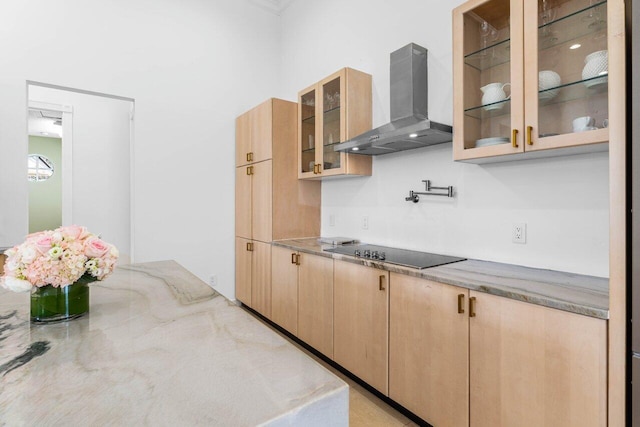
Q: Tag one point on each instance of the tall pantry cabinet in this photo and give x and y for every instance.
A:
(271, 203)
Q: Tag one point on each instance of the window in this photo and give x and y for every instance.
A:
(40, 168)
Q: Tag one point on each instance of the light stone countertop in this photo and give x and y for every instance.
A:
(159, 347)
(587, 295)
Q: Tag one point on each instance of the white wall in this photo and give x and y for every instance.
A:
(564, 201)
(101, 185)
(192, 66)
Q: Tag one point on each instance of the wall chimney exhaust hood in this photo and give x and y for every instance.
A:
(410, 127)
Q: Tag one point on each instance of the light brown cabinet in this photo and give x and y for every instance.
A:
(302, 297)
(531, 78)
(332, 111)
(429, 349)
(253, 275)
(316, 302)
(361, 322)
(271, 203)
(532, 365)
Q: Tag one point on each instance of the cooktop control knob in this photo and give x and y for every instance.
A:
(367, 253)
(357, 252)
(374, 255)
(382, 256)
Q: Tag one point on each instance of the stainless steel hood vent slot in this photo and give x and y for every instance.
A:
(410, 127)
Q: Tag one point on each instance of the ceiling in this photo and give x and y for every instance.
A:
(41, 123)
(274, 6)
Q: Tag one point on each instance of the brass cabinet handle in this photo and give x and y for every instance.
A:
(381, 282)
(293, 258)
(529, 130)
(514, 136)
(249, 246)
(460, 303)
(249, 170)
(472, 307)
(250, 157)
(297, 259)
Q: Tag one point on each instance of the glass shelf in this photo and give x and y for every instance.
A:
(309, 119)
(327, 145)
(489, 57)
(495, 109)
(309, 150)
(567, 92)
(332, 109)
(572, 26)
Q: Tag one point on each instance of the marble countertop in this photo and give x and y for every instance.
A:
(575, 293)
(159, 347)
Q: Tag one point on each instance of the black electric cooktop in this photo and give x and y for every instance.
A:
(407, 258)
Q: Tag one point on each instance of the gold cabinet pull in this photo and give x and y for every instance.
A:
(381, 282)
(250, 157)
(249, 170)
(460, 303)
(249, 246)
(514, 136)
(297, 259)
(472, 307)
(293, 258)
(529, 130)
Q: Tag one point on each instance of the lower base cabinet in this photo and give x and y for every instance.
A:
(535, 366)
(253, 275)
(284, 288)
(316, 302)
(361, 319)
(429, 349)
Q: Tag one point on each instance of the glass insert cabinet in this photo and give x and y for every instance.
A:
(531, 76)
(330, 112)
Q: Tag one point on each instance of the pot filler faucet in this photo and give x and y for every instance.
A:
(414, 195)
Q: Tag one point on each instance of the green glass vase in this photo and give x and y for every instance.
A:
(49, 304)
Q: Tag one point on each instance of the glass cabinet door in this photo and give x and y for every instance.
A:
(489, 46)
(567, 90)
(332, 122)
(307, 142)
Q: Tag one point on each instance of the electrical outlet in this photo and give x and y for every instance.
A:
(213, 280)
(519, 234)
(365, 222)
(332, 220)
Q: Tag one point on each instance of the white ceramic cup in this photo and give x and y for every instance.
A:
(582, 123)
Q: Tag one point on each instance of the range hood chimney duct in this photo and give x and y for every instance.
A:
(410, 126)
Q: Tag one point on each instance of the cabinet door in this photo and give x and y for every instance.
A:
(284, 288)
(566, 66)
(315, 302)
(261, 278)
(429, 349)
(243, 271)
(243, 201)
(261, 201)
(243, 139)
(532, 365)
(488, 78)
(307, 133)
(332, 123)
(261, 131)
(361, 322)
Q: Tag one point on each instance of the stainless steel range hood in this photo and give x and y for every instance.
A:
(410, 127)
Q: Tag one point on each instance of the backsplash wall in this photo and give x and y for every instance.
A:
(564, 201)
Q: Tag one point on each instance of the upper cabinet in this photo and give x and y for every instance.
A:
(331, 111)
(534, 75)
(255, 133)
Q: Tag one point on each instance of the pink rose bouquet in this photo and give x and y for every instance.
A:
(59, 258)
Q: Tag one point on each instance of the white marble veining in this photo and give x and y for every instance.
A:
(575, 293)
(159, 347)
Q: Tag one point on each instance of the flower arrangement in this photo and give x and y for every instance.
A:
(58, 258)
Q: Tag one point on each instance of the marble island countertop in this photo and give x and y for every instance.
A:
(575, 293)
(159, 347)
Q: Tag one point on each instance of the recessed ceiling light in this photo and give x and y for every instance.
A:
(44, 133)
(355, 149)
(575, 46)
(413, 135)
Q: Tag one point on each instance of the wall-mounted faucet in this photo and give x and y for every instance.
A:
(413, 195)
